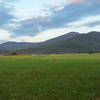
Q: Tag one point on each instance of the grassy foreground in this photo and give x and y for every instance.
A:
(50, 77)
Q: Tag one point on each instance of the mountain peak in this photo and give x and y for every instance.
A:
(94, 32)
(69, 42)
(72, 34)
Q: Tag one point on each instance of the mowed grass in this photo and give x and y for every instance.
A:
(50, 77)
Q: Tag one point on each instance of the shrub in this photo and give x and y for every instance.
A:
(14, 53)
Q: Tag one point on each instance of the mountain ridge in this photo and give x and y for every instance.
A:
(68, 43)
(22, 45)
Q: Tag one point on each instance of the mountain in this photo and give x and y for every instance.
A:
(23, 45)
(82, 43)
(63, 37)
(69, 43)
(14, 45)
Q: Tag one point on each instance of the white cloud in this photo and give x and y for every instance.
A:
(49, 34)
(41, 36)
(4, 35)
(84, 21)
(77, 1)
(77, 26)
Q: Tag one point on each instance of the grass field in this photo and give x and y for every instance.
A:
(50, 77)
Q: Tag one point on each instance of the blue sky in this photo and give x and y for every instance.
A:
(39, 20)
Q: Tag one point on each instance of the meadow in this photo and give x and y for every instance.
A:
(50, 77)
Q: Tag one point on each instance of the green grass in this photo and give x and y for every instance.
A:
(50, 77)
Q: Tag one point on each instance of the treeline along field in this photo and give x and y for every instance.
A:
(50, 77)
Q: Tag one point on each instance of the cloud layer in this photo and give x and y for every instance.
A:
(74, 15)
(58, 18)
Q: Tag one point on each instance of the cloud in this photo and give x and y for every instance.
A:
(84, 1)
(45, 35)
(6, 15)
(56, 8)
(4, 35)
(77, 1)
(85, 21)
(58, 18)
(32, 26)
(78, 15)
(49, 34)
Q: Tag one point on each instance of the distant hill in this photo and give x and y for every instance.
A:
(63, 37)
(13, 45)
(81, 43)
(69, 43)
(23, 45)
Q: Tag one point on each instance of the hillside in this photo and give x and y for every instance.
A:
(14, 45)
(23, 45)
(69, 43)
(82, 43)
